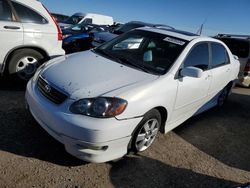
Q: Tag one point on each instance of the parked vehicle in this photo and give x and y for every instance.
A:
(29, 35)
(79, 37)
(101, 37)
(60, 17)
(83, 28)
(88, 18)
(105, 102)
(240, 46)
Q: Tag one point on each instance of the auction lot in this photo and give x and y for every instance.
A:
(210, 150)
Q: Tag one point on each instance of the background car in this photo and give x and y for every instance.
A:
(79, 37)
(29, 36)
(101, 37)
(87, 18)
(240, 46)
(60, 17)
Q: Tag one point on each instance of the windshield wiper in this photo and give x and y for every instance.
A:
(122, 60)
(125, 60)
(106, 54)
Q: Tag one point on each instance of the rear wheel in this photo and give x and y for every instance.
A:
(223, 96)
(146, 131)
(24, 63)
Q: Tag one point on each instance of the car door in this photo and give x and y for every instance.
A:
(192, 92)
(220, 68)
(11, 31)
(36, 27)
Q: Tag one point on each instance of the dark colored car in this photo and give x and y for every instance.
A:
(240, 46)
(79, 37)
(60, 17)
(102, 37)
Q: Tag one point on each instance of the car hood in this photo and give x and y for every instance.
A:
(87, 74)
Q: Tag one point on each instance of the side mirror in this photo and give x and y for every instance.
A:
(191, 72)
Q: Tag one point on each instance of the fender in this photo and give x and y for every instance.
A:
(41, 50)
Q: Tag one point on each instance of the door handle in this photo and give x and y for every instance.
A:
(208, 77)
(228, 70)
(11, 27)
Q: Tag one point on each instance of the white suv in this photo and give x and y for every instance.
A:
(29, 35)
(103, 103)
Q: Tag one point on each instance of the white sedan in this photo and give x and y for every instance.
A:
(103, 103)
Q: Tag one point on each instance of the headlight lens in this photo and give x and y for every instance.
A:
(101, 107)
(66, 36)
(38, 71)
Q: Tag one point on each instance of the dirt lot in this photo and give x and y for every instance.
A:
(210, 150)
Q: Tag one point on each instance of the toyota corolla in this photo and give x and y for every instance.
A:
(103, 103)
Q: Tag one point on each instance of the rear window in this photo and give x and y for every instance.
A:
(237, 46)
(27, 15)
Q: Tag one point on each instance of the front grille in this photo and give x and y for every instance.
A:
(50, 92)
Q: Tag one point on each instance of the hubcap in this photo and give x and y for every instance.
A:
(26, 67)
(147, 134)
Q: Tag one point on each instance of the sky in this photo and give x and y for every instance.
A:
(218, 16)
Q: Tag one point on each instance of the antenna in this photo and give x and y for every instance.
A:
(199, 32)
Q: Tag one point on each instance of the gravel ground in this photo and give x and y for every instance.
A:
(209, 150)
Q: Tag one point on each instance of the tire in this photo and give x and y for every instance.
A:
(223, 96)
(146, 132)
(24, 63)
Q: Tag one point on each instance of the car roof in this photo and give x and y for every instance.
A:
(149, 24)
(188, 36)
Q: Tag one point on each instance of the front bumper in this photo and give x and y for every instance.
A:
(89, 139)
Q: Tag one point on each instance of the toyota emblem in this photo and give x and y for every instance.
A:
(47, 88)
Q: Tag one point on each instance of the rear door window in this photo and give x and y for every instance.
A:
(27, 15)
(198, 57)
(219, 55)
(5, 11)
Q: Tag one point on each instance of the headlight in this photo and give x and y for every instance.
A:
(66, 36)
(38, 71)
(101, 107)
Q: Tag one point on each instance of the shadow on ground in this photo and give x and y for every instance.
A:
(146, 172)
(222, 133)
(21, 135)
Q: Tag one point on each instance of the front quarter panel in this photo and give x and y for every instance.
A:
(143, 98)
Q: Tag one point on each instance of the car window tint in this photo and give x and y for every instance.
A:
(198, 57)
(5, 11)
(219, 55)
(87, 21)
(238, 47)
(27, 15)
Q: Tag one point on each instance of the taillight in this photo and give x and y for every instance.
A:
(247, 68)
(59, 31)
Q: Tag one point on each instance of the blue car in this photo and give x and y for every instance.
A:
(79, 37)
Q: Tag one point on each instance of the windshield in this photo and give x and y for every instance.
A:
(150, 52)
(74, 19)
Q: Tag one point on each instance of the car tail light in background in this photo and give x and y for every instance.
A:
(247, 68)
(59, 31)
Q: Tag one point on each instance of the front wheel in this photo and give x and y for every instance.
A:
(146, 131)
